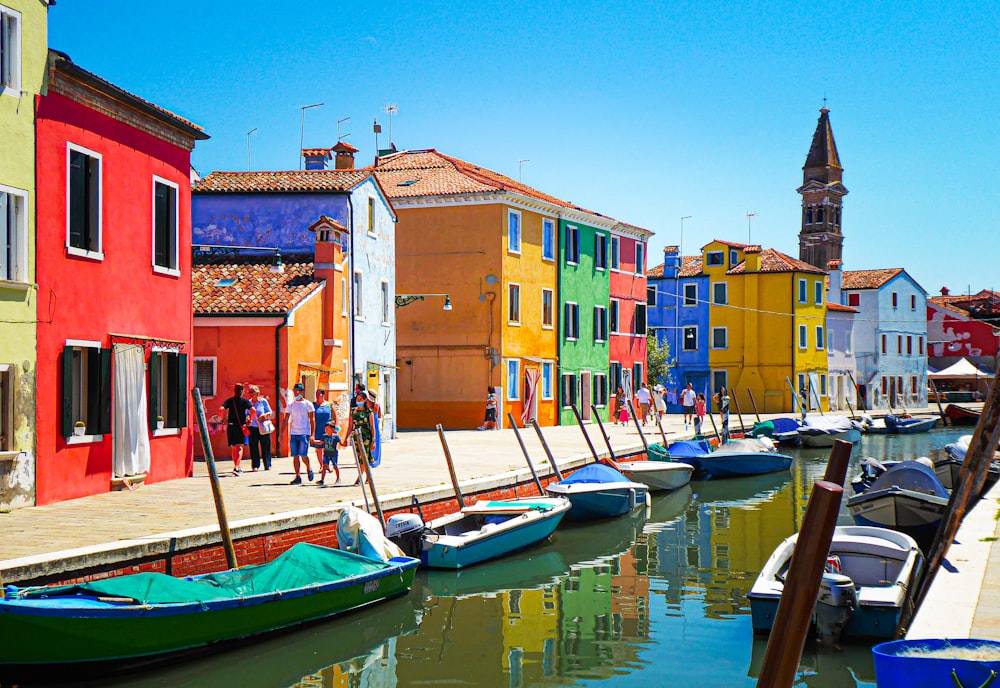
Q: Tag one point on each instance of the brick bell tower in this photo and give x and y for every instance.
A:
(821, 239)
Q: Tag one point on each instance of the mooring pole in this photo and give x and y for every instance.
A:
(754, 403)
(604, 434)
(583, 429)
(213, 478)
(663, 435)
(736, 403)
(527, 456)
(635, 419)
(358, 441)
(360, 459)
(548, 452)
(849, 408)
(840, 457)
(451, 467)
(857, 392)
(937, 398)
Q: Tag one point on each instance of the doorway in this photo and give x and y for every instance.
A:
(585, 393)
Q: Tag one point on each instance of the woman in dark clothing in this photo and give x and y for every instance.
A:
(235, 412)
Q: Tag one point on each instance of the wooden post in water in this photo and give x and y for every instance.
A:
(548, 452)
(857, 392)
(849, 408)
(663, 435)
(715, 428)
(836, 467)
(359, 442)
(360, 460)
(451, 467)
(739, 415)
(937, 398)
(604, 434)
(213, 478)
(753, 402)
(527, 456)
(635, 419)
(583, 429)
(798, 598)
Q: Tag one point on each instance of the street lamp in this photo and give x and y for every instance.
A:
(750, 215)
(252, 131)
(406, 299)
(519, 163)
(680, 248)
(302, 128)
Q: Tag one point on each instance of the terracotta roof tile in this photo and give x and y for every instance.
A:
(731, 244)
(256, 290)
(344, 147)
(840, 308)
(868, 279)
(776, 261)
(655, 272)
(690, 267)
(292, 181)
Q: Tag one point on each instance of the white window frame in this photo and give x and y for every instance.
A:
(714, 376)
(640, 258)
(94, 346)
(514, 235)
(563, 401)
(637, 375)
(162, 269)
(684, 330)
(734, 257)
(73, 250)
(818, 293)
(569, 321)
(614, 314)
(614, 381)
(715, 259)
(514, 303)
(20, 266)
(547, 386)
(803, 337)
(214, 360)
(512, 389)
(386, 304)
(10, 16)
(572, 247)
(725, 293)
(651, 295)
(803, 291)
(600, 251)
(601, 318)
(600, 384)
(822, 385)
(371, 218)
(820, 338)
(549, 243)
(694, 301)
(551, 311)
(725, 335)
(645, 319)
(615, 253)
(357, 292)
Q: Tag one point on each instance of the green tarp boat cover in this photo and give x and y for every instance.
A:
(763, 429)
(657, 452)
(302, 565)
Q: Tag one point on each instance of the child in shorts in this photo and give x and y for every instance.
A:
(330, 444)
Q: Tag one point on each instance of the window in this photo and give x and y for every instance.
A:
(84, 202)
(547, 309)
(809, 216)
(167, 389)
(720, 294)
(600, 390)
(204, 376)
(600, 251)
(613, 316)
(548, 239)
(615, 375)
(616, 246)
(913, 302)
(820, 338)
(899, 343)
(371, 216)
(885, 385)
(651, 295)
(359, 311)
(690, 338)
(547, 380)
(572, 245)
(803, 337)
(568, 390)
(600, 324)
(385, 303)
(513, 231)
(803, 390)
(819, 216)
(343, 296)
(885, 346)
(720, 338)
(847, 341)
(714, 258)
(802, 291)
(691, 294)
(165, 255)
(10, 52)
(637, 378)
(818, 293)
(913, 385)
(86, 388)
(720, 379)
(513, 378)
(571, 327)
(639, 319)
(514, 303)
(640, 258)
(920, 346)
(13, 235)
(909, 345)
(895, 299)
(854, 300)
(734, 257)
(822, 385)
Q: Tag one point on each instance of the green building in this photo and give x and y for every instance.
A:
(23, 54)
(584, 298)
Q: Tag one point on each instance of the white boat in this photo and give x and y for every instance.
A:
(599, 491)
(900, 425)
(657, 475)
(824, 431)
(863, 599)
(949, 468)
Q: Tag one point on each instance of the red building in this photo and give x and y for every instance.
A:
(114, 287)
(627, 341)
(964, 326)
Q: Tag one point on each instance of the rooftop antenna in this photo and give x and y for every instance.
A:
(390, 109)
(377, 129)
(680, 249)
(339, 122)
(519, 163)
(302, 129)
(248, 146)
(750, 215)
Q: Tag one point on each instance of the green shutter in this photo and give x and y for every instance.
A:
(181, 391)
(67, 392)
(155, 376)
(104, 428)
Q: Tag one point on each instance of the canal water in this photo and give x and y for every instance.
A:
(659, 598)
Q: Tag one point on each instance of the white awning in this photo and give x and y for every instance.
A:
(962, 370)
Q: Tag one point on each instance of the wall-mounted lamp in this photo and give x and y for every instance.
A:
(406, 299)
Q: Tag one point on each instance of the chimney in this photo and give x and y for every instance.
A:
(345, 155)
(328, 266)
(316, 158)
(945, 291)
(751, 258)
(671, 262)
(836, 281)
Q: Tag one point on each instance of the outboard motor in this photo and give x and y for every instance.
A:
(891, 422)
(406, 532)
(835, 606)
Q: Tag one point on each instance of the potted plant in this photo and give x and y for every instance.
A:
(79, 428)
(159, 422)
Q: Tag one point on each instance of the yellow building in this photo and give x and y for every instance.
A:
(767, 326)
(23, 54)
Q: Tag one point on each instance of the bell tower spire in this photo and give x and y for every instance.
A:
(821, 239)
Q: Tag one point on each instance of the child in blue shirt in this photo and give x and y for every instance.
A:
(330, 444)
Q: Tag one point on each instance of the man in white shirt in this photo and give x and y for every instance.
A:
(301, 427)
(644, 398)
(688, 399)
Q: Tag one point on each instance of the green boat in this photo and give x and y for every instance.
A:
(128, 621)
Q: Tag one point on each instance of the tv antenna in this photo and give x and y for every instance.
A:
(252, 131)
(339, 122)
(750, 215)
(390, 109)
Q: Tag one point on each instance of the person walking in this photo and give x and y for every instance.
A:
(323, 415)
(660, 399)
(363, 420)
(622, 416)
(699, 413)
(235, 412)
(331, 451)
(301, 426)
(688, 399)
(261, 427)
(644, 398)
(490, 419)
(722, 399)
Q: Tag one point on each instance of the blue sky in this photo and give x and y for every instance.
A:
(644, 111)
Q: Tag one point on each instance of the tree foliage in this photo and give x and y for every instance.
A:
(659, 364)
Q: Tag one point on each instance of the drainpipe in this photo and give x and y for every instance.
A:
(350, 281)
(277, 382)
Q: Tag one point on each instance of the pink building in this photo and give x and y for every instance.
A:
(627, 340)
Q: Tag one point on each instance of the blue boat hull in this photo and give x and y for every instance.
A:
(737, 465)
(867, 622)
(483, 547)
(588, 506)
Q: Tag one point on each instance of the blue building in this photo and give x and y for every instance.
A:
(678, 314)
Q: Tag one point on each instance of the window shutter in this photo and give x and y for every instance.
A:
(155, 378)
(105, 381)
(181, 391)
(67, 392)
(77, 199)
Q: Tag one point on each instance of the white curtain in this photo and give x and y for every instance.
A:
(131, 438)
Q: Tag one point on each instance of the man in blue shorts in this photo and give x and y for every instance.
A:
(330, 444)
(301, 427)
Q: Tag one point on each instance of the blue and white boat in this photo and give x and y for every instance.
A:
(599, 491)
(822, 432)
(685, 451)
(900, 425)
(483, 531)
(784, 431)
(907, 497)
(949, 467)
(864, 589)
(741, 457)
(657, 475)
